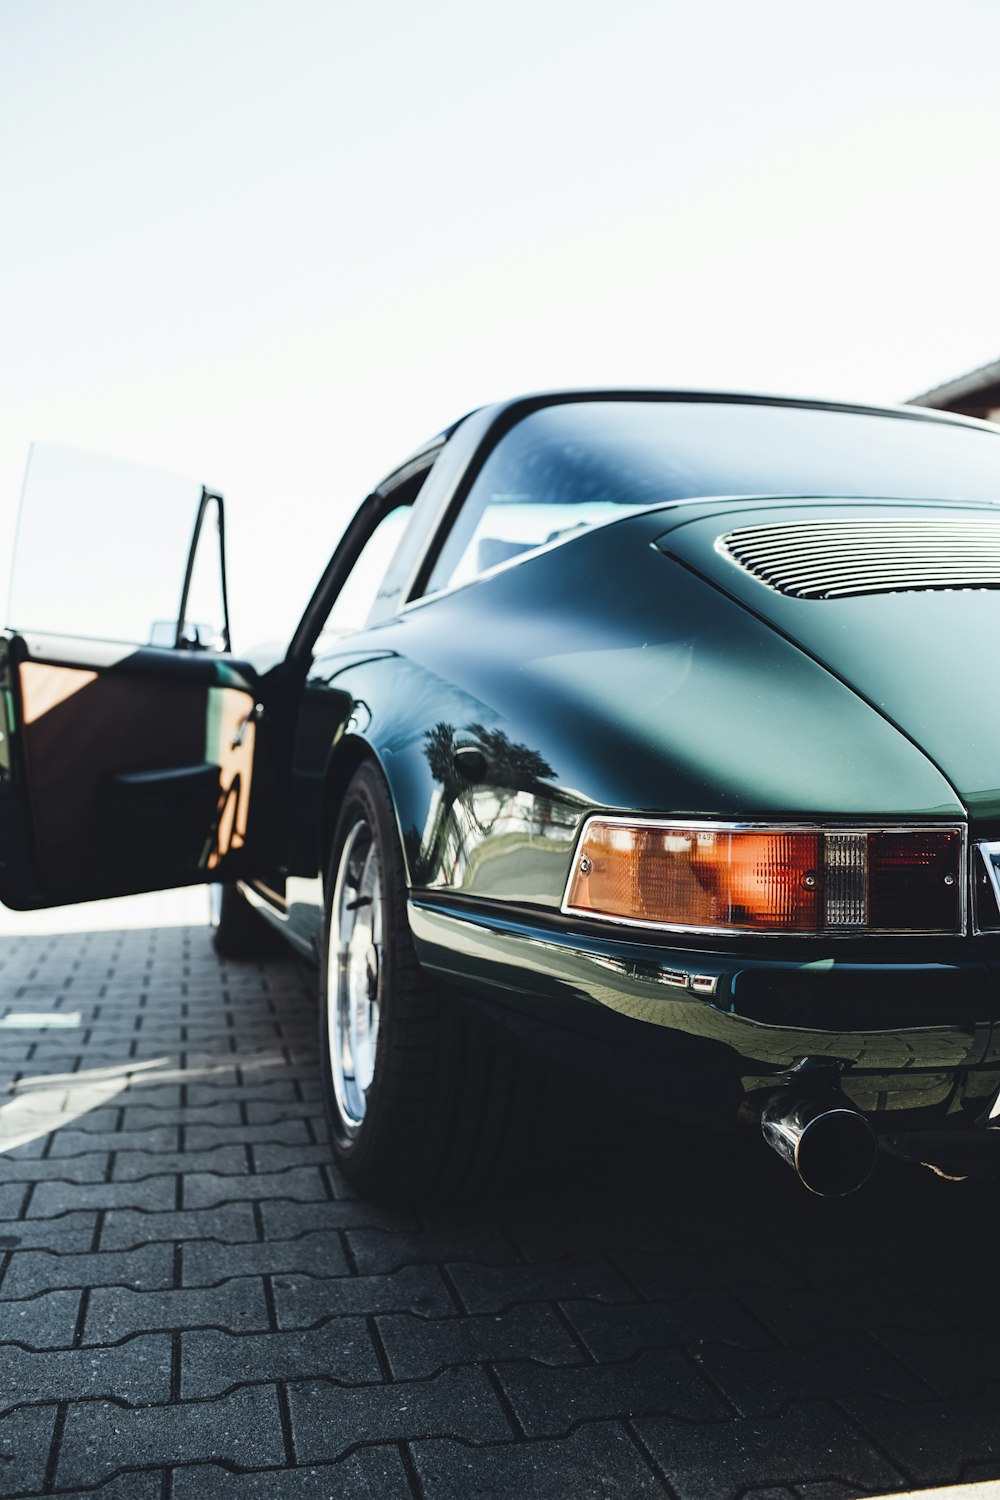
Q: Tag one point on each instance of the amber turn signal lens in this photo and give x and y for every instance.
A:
(769, 880)
(699, 877)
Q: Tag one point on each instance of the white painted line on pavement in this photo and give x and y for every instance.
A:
(40, 1020)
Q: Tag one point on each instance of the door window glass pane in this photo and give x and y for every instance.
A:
(354, 603)
(101, 547)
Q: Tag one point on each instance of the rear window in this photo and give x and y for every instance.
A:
(582, 464)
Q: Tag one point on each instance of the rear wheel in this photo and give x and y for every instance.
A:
(422, 1101)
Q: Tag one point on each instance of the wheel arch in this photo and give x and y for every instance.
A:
(347, 756)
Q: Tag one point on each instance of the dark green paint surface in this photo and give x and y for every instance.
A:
(602, 675)
(927, 661)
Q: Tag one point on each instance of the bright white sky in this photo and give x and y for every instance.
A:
(277, 243)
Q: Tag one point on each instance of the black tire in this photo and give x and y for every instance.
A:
(448, 1100)
(239, 932)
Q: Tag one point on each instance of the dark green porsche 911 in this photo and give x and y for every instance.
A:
(660, 728)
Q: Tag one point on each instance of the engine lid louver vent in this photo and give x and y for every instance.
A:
(836, 559)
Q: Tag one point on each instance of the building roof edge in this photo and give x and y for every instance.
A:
(960, 389)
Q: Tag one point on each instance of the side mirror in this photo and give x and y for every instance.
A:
(195, 637)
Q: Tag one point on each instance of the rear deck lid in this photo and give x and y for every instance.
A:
(900, 599)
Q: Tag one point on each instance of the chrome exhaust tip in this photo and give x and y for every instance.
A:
(831, 1148)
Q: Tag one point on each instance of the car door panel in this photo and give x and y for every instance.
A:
(135, 765)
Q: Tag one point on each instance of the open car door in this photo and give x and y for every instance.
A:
(130, 734)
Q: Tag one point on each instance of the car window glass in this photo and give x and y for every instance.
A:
(102, 545)
(356, 599)
(584, 463)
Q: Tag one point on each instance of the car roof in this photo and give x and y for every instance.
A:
(506, 413)
(456, 448)
(723, 397)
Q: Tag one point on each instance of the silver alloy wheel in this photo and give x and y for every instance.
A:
(353, 981)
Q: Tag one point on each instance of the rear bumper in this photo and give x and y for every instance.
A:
(697, 1031)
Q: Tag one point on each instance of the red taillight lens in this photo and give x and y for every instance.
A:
(712, 878)
(914, 881)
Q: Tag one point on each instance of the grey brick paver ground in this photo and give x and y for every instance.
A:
(69, 1143)
(231, 1223)
(328, 1420)
(341, 1350)
(950, 1364)
(132, 1486)
(804, 1316)
(48, 1321)
(224, 1160)
(289, 1219)
(13, 1195)
(215, 1135)
(951, 1434)
(137, 1372)
(758, 1381)
(302, 1301)
(50, 1199)
(617, 1333)
(115, 1312)
(243, 1428)
(549, 1403)
(34, 1271)
(67, 1233)
(207, 1189)
(419, 1346)
(809, 1442)
(205, 1262)
(378, 1250)
(595, 1463)
(89, 1167)
(493, 1288)
(25, 1439)
(375, 1473)
(194, 1303)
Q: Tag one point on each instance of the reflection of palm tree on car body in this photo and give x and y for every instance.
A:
(479, 771)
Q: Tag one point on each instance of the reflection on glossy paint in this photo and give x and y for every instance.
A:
(493, 820)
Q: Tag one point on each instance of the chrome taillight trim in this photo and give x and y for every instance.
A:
(988, 850)
(761, 826)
